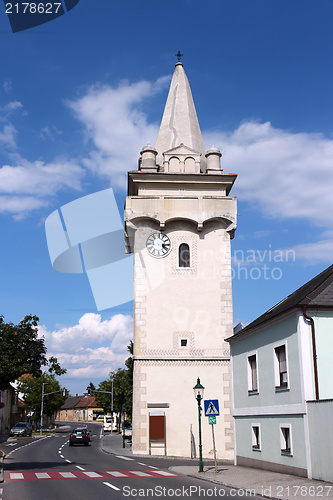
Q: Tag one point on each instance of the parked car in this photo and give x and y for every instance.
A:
(21, 429)
(80, 435)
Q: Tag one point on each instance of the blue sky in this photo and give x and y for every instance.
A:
(81, 95)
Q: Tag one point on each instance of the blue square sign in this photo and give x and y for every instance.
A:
(211, 407)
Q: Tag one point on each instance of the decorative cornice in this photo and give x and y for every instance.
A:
(181, 362)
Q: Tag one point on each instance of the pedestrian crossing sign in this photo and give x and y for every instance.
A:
(211, 407)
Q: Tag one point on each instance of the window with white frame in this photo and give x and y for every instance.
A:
(285, 438)
(256, 445)
(252, 373)
(281, 372)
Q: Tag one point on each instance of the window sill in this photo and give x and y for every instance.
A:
(286, 453)
(251, 393)
(281, 389)
(255, 448)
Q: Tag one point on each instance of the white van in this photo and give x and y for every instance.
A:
(107, 423)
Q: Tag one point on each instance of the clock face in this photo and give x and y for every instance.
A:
(158, 245)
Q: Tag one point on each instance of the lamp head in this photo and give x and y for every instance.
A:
(198, 390)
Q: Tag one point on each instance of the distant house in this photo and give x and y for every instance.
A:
(282, 374)
(11, 409)
(79, 408)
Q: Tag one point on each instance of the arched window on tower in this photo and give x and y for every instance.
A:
(184, 255)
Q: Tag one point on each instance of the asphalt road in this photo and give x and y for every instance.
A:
(48, 468)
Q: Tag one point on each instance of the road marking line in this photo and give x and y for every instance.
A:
(164, 473)
(67, 475)
(145, 465)
(124, 458)
(92, 474)
(112, 486)
(116, 473)
(81, 468)
(140, 473)
(152, 467)
(68, 461)
(16, 475)
(62, 456)
(42, 475)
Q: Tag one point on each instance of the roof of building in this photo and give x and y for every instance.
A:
(317, 293)
(179, 122)
(79, 402)
(87, 402)
(70, 402)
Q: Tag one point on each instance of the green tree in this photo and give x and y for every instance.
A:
(90, 389)
(31, 388)
(22, 351)
(122, 388)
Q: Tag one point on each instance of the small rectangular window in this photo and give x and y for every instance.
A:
(252, 373)
(285, 437)
(184, 255)
(256, 437)
(281, 374)
(183, 343)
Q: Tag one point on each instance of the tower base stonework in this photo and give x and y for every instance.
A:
(165, 387)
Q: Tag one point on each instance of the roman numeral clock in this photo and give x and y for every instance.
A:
(158, 245)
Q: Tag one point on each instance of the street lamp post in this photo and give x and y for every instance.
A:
(124, 410)
(42, 405)
(198, 394)
(111, 393)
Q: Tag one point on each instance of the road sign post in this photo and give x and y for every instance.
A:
(211, 411)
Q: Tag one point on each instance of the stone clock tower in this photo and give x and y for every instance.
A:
(179, 219)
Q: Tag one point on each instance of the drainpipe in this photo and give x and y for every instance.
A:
(314, 351)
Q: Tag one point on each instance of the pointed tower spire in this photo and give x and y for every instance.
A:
(179, 122)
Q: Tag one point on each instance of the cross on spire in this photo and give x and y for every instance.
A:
(179, 55)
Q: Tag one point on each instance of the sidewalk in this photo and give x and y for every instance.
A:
(249, 481)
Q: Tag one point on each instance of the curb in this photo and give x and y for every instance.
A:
(2, 478)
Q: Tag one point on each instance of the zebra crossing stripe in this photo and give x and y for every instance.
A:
(139, 473)
(115, 473)
(68, 475)
(163, 473)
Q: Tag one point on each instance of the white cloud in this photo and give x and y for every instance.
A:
(117, 127)
(286, 174)
(29, 185)
(7, 85)
(40, 179)
(7, 136)
(93, 347)
(320, 252)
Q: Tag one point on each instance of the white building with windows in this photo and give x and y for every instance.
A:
(179, 220)
(282, 375)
